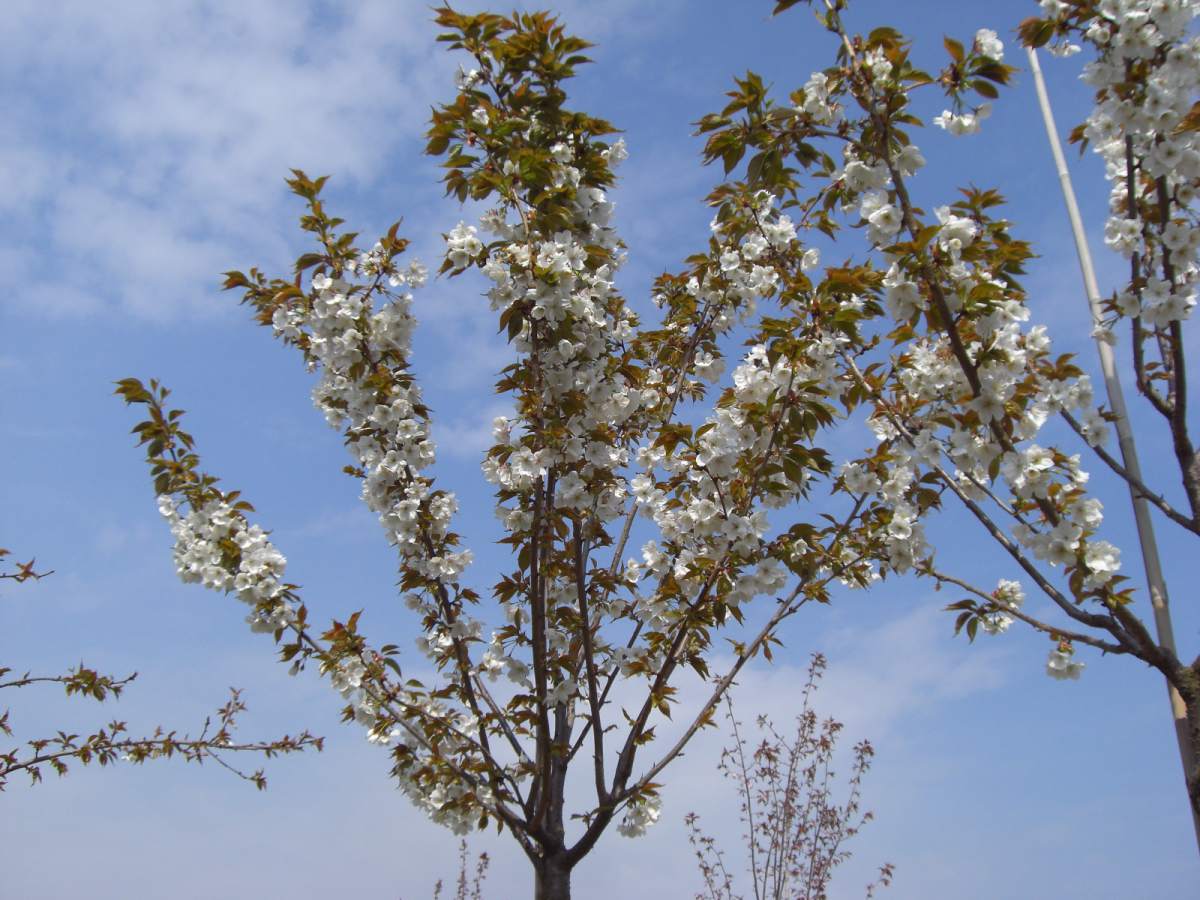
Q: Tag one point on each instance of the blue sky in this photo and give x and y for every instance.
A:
(144, 153)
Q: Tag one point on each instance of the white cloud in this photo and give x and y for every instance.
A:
(154, 137)
(467, 353)
(350, 523)
(160, 133)
(890, 684)
(113, 538)
(905, 667)
(468, 436)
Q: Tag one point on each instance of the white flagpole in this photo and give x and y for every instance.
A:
(1116, 403)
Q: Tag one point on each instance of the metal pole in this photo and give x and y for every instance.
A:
(1116, 402)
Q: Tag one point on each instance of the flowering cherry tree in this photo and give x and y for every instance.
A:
(613, 420)
(520, 689)
(933, 331)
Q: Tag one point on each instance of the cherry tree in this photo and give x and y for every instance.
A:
(488, 728)
(958, 387)
(615, 425)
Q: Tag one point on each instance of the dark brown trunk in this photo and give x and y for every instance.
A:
(552, 879)
(1187, 727)
(1193, 726)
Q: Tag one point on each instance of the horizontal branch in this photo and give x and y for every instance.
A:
(1016, 613)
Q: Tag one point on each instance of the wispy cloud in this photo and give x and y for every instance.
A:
(148, 141)
(459, 350)
(153, 137)
(468, 435)
(879, 681)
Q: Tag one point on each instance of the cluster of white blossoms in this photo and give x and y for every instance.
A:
(351, 344)
(959, 124)
(697, 520)
(463, 245)
(215, 546)
(1061, 666)
(1008, 595)
(869, 183)
(574, 325)
(454, 803)
(639, 816)
(743, 271)
(1143, 116)
(921, 427)
(932, 379)
(817, 103)
(988, 45)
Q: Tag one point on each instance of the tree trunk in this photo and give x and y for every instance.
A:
(552, 879)
(1191, 725)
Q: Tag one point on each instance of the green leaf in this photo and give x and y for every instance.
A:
(985, 88)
